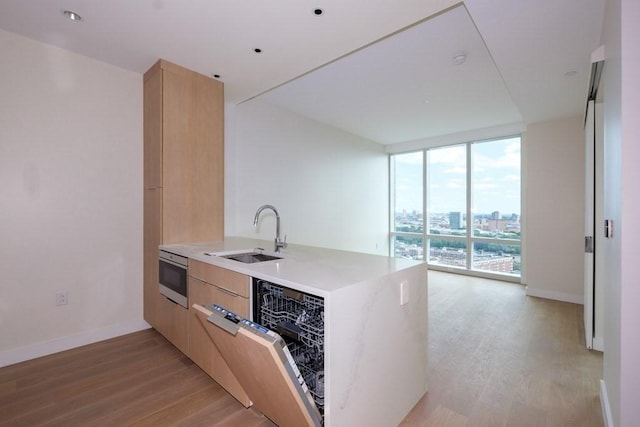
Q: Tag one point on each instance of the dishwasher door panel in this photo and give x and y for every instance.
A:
(260, 361)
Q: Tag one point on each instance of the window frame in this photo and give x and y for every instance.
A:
(468, 238)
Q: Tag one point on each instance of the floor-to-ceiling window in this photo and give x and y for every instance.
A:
(458, 206)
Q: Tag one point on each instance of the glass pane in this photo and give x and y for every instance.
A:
(447, 190)
(408, 247)
(495, 177)
(407, 192)
(496, 257)
(452, 253)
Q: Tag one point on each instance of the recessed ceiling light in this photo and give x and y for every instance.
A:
(72, 15)
(459, 59)
(216, 76)
(317, 11)
(257, 50)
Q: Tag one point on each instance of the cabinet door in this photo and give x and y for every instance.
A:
(172, 321)
(152, 239)
(207, 217)
(153, 127)
(193, 157)
(201, 349)
(178, 111)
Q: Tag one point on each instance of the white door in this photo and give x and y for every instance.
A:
(589, 225)
(594, 222)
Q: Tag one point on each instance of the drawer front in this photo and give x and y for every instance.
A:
(205, 294)
(226, 279)
(173, 323)
(236, 303)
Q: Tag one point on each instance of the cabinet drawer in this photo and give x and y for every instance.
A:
(205, 294)
(172, 321)
(221, 277)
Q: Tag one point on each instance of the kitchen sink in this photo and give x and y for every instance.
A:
(251, 257)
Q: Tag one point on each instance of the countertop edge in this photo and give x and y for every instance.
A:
(314, 270)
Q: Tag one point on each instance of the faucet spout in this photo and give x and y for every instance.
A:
(278, 242)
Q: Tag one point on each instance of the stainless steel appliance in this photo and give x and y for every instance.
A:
(173, 277)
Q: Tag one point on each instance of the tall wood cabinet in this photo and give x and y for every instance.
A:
(183, 177)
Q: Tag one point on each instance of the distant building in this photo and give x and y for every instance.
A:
(496, 225)
(502, 264)
(458, 258)
(456, 221)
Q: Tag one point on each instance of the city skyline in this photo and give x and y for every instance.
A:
(495, 176)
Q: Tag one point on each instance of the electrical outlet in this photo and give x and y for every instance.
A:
(62, 298)
(404, 292)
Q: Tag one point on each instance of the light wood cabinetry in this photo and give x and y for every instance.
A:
(233, 282)
(206, 288)
(173, 323)
(183, 177)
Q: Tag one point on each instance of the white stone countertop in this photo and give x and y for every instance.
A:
(318, 271)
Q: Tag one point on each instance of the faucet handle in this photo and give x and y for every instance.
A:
(280, 244)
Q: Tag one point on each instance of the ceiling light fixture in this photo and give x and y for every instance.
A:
(257, 50)
(459, 59)
(72, 16)
(317, 11)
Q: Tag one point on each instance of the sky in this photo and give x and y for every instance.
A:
(495, 177)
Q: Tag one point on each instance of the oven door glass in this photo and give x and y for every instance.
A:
(173, 279)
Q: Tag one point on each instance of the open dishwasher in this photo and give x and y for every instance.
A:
(276, 360)
(299, 318)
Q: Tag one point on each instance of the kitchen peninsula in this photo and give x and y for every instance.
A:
(375, 321)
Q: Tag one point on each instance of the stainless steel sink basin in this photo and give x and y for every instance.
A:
(251, 257)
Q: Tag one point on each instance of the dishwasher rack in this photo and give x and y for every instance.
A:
(299, 318)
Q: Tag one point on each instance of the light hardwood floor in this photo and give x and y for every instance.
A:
(497, 358)
(500, 358)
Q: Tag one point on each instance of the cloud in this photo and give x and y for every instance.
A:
(486, 186)
(459, 170)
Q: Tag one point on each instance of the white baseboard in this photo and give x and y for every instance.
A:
(21, 354)
(598, 343)
(558, 296)
(606, 409)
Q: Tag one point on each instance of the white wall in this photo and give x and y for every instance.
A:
(70, 199)
(630, 219)
(554, 209)
(621, 388)
(330, 187)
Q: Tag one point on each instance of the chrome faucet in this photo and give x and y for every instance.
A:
(278, 243)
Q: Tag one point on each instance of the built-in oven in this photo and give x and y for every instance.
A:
(173, 277)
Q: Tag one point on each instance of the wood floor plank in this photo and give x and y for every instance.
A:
(181, 409)
(62, 396)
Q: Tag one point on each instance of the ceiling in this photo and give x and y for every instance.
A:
(381, 69)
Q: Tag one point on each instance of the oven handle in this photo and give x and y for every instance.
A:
(177, 264)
